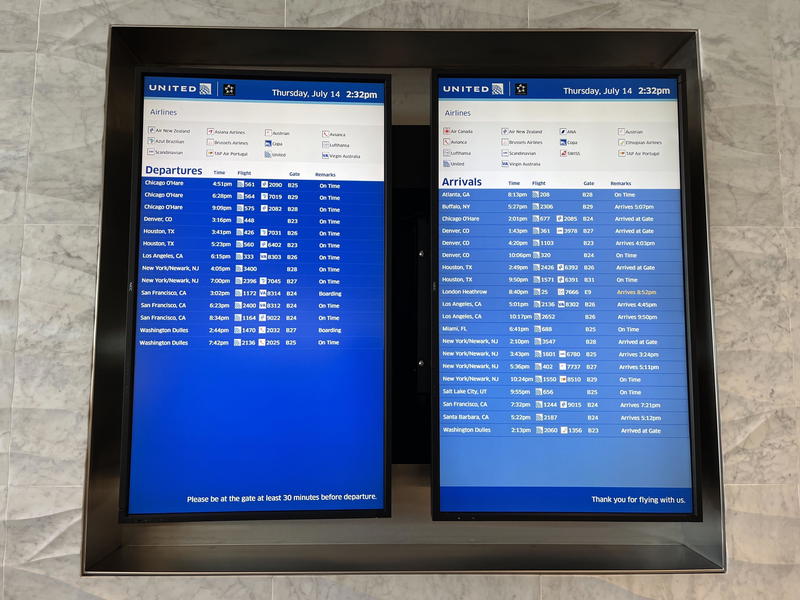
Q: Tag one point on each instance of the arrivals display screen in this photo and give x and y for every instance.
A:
(257, 354)
(562, 383)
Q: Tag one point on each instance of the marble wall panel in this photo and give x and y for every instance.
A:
(65, 175)
(78, 29)
(53, 354)
(446, 14)
(752, 285)
(15, 115)
(18, 25)
(401, 587)
(53, 89)
(783, 18)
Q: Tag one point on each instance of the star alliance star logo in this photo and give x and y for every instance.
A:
(229, 89)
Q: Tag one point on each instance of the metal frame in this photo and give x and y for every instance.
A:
(133, 264)
(410, 541)
(690, 298)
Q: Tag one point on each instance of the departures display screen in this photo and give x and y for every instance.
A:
(258, 347)
(562, 381)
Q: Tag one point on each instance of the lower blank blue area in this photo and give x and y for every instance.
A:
(250, 422)
(564, 500)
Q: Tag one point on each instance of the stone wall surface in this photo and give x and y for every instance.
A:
(52, 56)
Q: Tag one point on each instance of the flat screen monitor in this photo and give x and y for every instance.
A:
(257, 324)
(562, 380)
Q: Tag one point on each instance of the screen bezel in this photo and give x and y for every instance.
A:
(692, 301)
(124, 516)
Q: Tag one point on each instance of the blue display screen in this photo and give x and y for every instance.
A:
(258, 352)
(562, 367)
